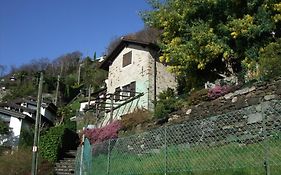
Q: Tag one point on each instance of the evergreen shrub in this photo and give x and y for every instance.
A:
(56, 141)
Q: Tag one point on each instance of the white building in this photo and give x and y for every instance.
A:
(134, 70)
(16, 121)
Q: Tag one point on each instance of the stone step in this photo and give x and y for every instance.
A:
(66, 166)
(59, 165)
(64, 169)
(68, 158)
(70, 153)
(64, 173)
(67, 161)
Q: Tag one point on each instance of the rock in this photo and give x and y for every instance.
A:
(173, 117)
(253, 101)
(139, 127)
(278, 91)
(258, 108)
(162, 121)
(228, 96)
(269, 97)
(254, 118)
(266, 106)
(228, 127)
(241, 103)
(252, 89)
(188, 111)
(242, 91)
(234, 99)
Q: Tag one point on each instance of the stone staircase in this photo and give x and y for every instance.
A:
(66, 166)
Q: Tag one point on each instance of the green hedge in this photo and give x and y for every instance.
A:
(56, 141)
(50, 143)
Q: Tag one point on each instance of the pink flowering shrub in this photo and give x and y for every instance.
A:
(98, 135)
(218, 91)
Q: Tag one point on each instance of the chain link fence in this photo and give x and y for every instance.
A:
(83, 160)
(246, 141)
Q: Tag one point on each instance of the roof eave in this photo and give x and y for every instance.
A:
(124, 42)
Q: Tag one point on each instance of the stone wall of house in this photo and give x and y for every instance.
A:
(164, 80)
(119, 76)
(141, 70)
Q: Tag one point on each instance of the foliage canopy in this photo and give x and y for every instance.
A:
(202, 38)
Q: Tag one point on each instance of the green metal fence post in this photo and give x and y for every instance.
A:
(82, 152)
(108, 157)
(266, 147)
(165, 144)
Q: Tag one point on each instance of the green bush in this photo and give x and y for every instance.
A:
(51, 142)
(4, 128)
(56, 141)
(26, 138)
(166, 104)
(270, 60)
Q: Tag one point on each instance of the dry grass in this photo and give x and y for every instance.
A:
(198, 96)
(139, 116)
(19, 163)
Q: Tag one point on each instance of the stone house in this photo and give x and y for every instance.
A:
(135, 78)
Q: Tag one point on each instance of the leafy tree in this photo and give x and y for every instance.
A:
(204, 37)
(92, 74)
(4, 128)
(65, 113)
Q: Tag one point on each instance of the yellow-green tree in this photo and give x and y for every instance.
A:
(201, 38)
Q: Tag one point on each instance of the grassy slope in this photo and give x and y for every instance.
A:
(232, 159)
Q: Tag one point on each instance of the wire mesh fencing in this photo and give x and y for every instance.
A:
(83, 160)
(246, 141)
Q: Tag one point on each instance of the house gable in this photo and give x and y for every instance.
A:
(134, 67)
(125, 42)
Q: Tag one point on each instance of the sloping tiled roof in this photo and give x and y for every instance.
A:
(16, 106)
(12, 113)
(124, 43)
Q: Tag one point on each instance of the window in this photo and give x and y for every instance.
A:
(117, 94)
(129, 90)
(132, 88)
(126, 91)
(127, 59)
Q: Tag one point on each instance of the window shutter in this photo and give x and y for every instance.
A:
(133, 88)
(117, 94)
(127, 59)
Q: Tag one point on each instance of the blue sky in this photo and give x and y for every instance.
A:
(32, 29)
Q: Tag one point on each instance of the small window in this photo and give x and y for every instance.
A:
(117, 94)
(132, 89)
(127, 59)
(126, 91)
(129, 90)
